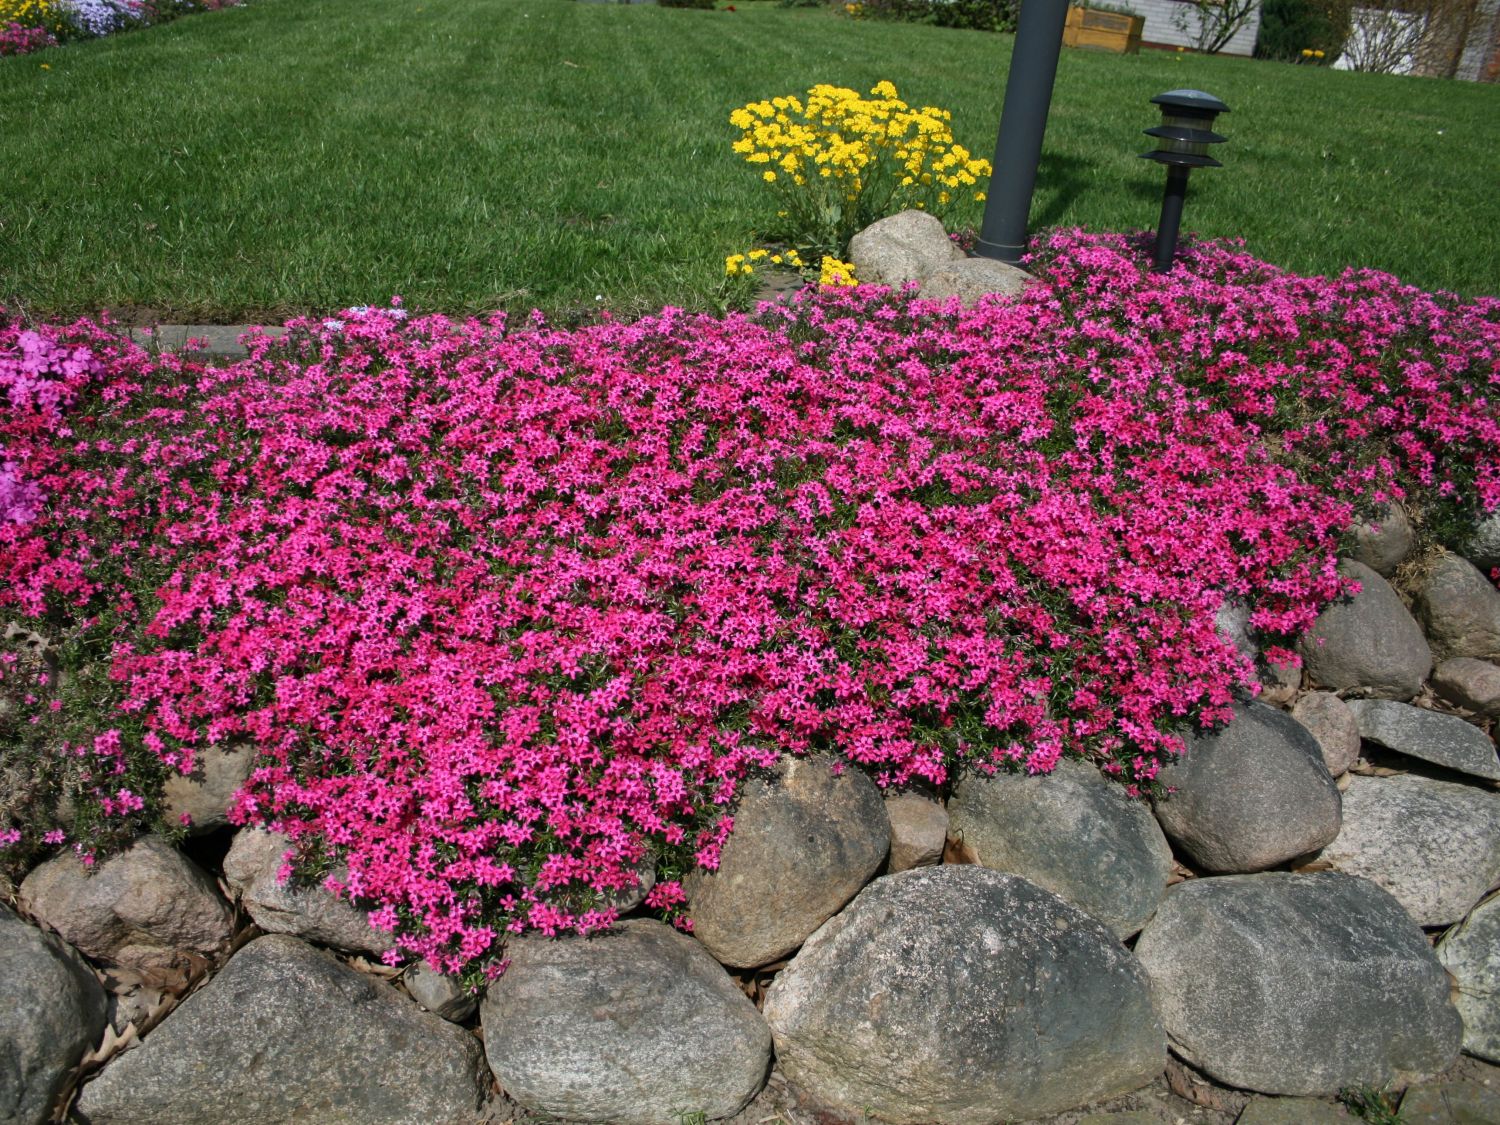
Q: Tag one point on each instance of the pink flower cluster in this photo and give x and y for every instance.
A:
(509, 610)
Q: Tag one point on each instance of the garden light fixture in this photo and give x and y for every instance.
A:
(1183, 137)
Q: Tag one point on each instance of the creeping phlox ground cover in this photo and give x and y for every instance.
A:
(508, 610)
(838, 161)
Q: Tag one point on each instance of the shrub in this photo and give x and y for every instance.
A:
(1290, 27)
(969, 15)
(838, 162)
(508, 609)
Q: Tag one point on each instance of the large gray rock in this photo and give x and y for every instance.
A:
(202, 800)
(1445, 740)
(1386, 543)
(804, 842)
(1471, 952)
(309, 912)
(635, 1026)
(1471, 684)
(1369, 642)
(1460, 609)
(900, 248)
(958, 994)
(919, 831)
(283, 1034)
(971, 279)
(1293, 1111)
(1298, 984)
(1070, 832)
(1330, 720)
(1435, 845)
(1251, 794)
(145, 909)
(52, 1011)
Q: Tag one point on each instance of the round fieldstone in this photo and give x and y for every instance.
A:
(1460, 610)
(919, 831)
(1482, 545)
(52, 1011)
(1071, 832)
(635, 1026)
(202, 800)
(1385, 543)
(970, 279)
(1471, 952)
(1297, 984)
(903, 247)
(1471, 684)
(439, 993)
(145, 909)
(1434, 845)
(959, 994)
(309, 912)
(1249, 795)
(1368, 642)
(804, 842)
(1330, 721)
(286, 1033)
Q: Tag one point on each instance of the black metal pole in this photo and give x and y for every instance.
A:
(1023, 120)
(1171, 218)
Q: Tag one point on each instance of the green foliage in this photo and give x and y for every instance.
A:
(1369, 1104)
(1289, 27)
(967, 15)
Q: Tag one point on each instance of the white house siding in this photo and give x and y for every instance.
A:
(1477, 63)
(1161, 26)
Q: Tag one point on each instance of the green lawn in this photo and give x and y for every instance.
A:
(302, 155)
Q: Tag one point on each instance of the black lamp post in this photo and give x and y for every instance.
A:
(1183, 137)
(1023, 121)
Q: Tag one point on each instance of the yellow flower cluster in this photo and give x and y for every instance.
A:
(743, 265)
(840, 161)
(31, 13)
(836, 274)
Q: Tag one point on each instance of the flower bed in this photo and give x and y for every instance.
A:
(509, 609)
(30, 25)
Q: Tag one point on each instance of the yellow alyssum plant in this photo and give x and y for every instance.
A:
(839, 161)
(830, 272)
(30, 13)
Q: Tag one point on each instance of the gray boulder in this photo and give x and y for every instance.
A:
(1298, 984)
(1482, 545)
(1368, 642)
(285, 1033)
(1451, 1103)
(804, 842)
(1386, 543)
(52, 1011)
(145, 909)
(919, 831)
(958, 994)
(1329, 720)
(1071, 832)
(900, 248)
(1471, 952)
(204, 797)
(439, 993)
(971, 279)
(1251, 794)
(1460, 609)
(308, 912)
(634, 1026)
(1279, 683)
(1445, 740)
(1471, 684)
(1434, 845)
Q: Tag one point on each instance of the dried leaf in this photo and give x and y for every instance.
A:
(956, 851)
